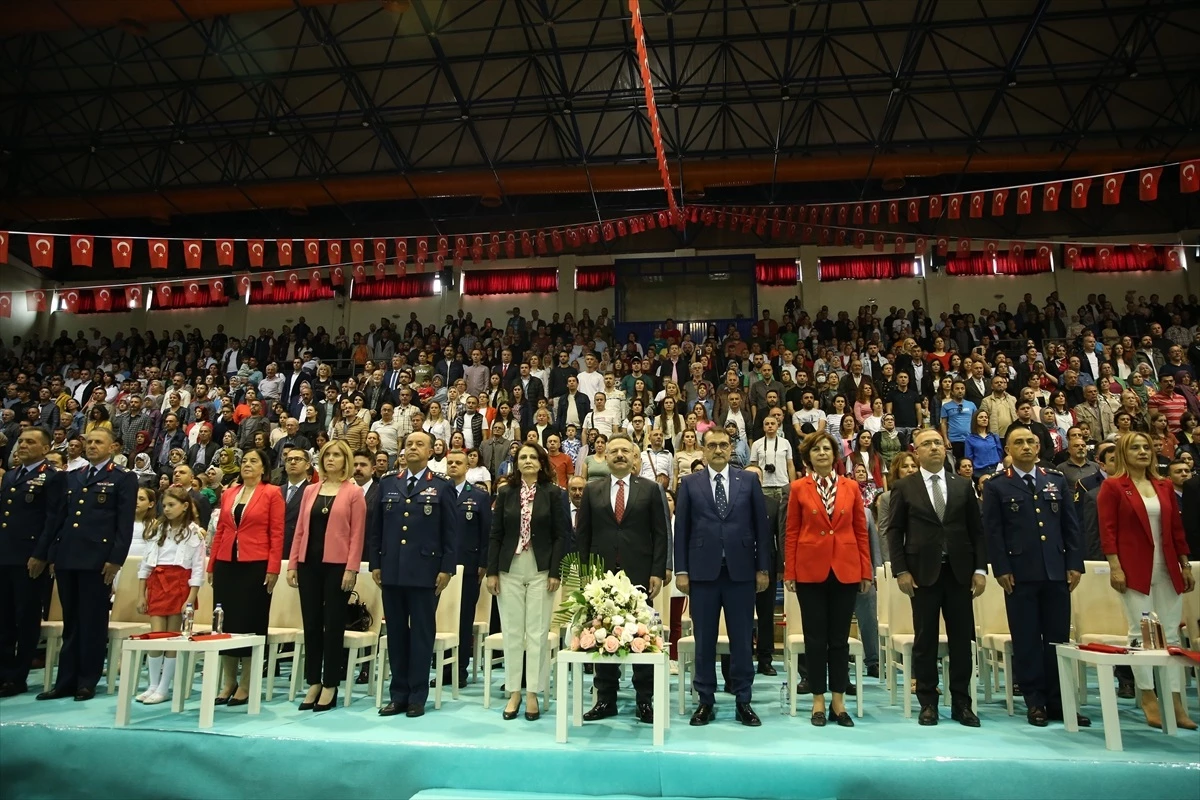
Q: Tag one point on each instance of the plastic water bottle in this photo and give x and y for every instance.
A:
(189, 621)
(218, 620)
(1147, 635)
(784, 705)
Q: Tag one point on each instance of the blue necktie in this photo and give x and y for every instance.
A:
(722, 498)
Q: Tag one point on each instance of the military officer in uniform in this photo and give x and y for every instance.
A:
(32, 495)
(90, 546)
(1035, 548)
(411, 543)
(474, 509)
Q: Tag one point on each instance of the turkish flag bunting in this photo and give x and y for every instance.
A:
(935, 206)
(919, 245)
(443, 245)
(899, 243)
(283, 250)
(1112, 189)
(133, 296)
(380, 271)
(243, 284)
(423, 250)
(1079, 192)
(843, 215)
(314, 280)
(1016, 251)
(893, 212)
(71, 301)
(873, 213)
(748, 222)
(333, 252)
(104, 299)
(268, 285)
(943, 245)
(494, 245)
(1070, 255)
(825, 236)
(1025, 200)
(1189, 177)
(37, 301)
(81, 251)
(477, 246)
(379, 248)
(999, 201)
(860, 239)
(359, 272)
(4, 249)
(192, 293)
(1050, 196)
(460, 246)
(1174, 260)
(964, 247)
(122, 253)
(977, 205)
(954, 206)
(216, 289)
(312, 252)
(879, 242)
(839, 238)
(225, 252)
(991, 246)
(163, 294)
(192, 251)
(1103, 255)
(439, 262)
(358, 251)
(337, 276)
(158, 253)
(401, 270)
(41, 250)
(293, 281)
(541, 241)
(5, 304)
(858, 214)
(914, 210)
(1148, 183)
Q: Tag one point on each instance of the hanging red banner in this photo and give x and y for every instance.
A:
(41, 250)
(133, 297)
(954, 206)
(1189, 177)
(935, 206)
(162, 294)
(225, 252)
(893, 212)
(914, 210)
(192, 253)
(1025, 200)
(122, 253)
(337, 275)
(192, 292)
(104, 299)
(1112, 189)
(977, 205)
(3, 247)
(1050, 196)
(312, 252)
(314, 280)
(157, 248)
(358, 251)
(283, 251)
(216, 290)
(81, 251)
(243, 284)
(71, 301)
(268, 285)
(999, 201)
(1148, 183)
(37, 301)
(5, 305)
(1079, 192)
(333, 252)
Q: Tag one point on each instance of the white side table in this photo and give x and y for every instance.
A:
(131, 663)
(574, 660)
(1069, 659)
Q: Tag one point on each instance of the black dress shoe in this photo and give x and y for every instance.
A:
(929, 715)
(703, 715)
(852, 691)
(56, 694)
(843, 719)
(1056, 715)
(645, 713)
(1125, 690)
(818, 719)
(305, 706)
(1037, 717)
(319, 707)
(82, 695)
(1017, 691)
(362, 678)
(224, 701)
(13, 689)
(415, 710)
(873, 672)
(765, 668)
(965, 716)
(238, 701)
(802, 687)
(601, 711)
(745, 715)
(392, 709)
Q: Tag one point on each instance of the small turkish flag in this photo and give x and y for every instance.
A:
(163, 295)
(283, 251)
(919, 245)
(935, 206)
(943, 245)
(1103, 255)
(964, 248)
(37, 301)
(1112, 189)
(879, 242)
(1174, 261)
(401, 270)
(423, 249)
(893, 212)
(842, 215)
(358, 251)
(268, 285)
(312, 251)
(379, 248)
(1043, 255)
(380, 271)
(243, 284)
(1071, 255)
(41, 250)
(839, 237)
(157, 248)
(954, 206)
(826, 215)
(216, 290)
(477, 245)
(899, 244)
(133, 297)
(5, 305)
(333, 252)
(860, 239)
(192, 251)
(1016, 251)
(1025, 200)
(1079, 192)
(814, 215)
(990, 246)
(71, 301)
(977, 205)
(574, 236)
(443, 244)
(873, 213)
(192, 293)
(337, 276)
(293, 281)
(81, 251)
(257, 250)
(314, 280)
(1189, 177)
(225, 253)
(858, 214)
(1050, 196)
(999, 201)
(1148, 183)
(122, 253)
(914, 210)
(4, 248)
(460, 246)
(359, 272)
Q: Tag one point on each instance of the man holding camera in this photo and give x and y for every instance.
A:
(773, 455)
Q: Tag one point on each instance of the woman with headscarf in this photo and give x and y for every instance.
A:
(144, 470)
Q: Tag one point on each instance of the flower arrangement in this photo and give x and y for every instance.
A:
(609, 616)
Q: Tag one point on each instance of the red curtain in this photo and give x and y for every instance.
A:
(1027, 264)
(395, 288)
(776, 272)
(179, 300)
(1122, 259)
(973, 264)
(867, 267)
(595, 279)
(87, 302)
(510, 281)
(281, 294)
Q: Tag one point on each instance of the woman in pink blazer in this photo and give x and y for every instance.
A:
(324, 562)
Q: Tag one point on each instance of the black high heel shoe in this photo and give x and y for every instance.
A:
(513, 714)
(307, 706)
(222, 701)
(319, 707)
(533, 716)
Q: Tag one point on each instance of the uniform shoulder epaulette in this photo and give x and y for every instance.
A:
(439, 478)
(1050, 471)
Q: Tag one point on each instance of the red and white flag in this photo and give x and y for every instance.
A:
(860, 239)
(999, 201)
(935, 206)
(216, 290)
(1112, 189)
(954, 206)
(977, 205)
(359, 272)
(1104, 255)
(243, 285)
(3, 247)
(103, 299)
(133, 297)
(914, 210)
(41, 250)
(337, 275)
(157, 249)
(5, 304)
(1050, 195)
(314, 280)
(1148, 183)
(1025, 200)
(1043, 255)
(880, 240)
(893, 212)
(899, 243)
(193, 250)
(1079, 192)
(380, 270)
(163, 295)
(991, 247)
(964, 248)
(81, 251)
(293, 281)
(192, 292)
(256, 251)
(842, 215)
(1071, 256)
(943, 245)
(1174, 258)
(225, 254)
(423, 248)
(122, 253)
(283, 250)
(1016, 252)
(312, 252)
(37, 301)
(857, 216)
(70, 301)
(919, 245)
(357, 251)
(379, 246)
(268, 285)
(333, 251)
(1189, 177)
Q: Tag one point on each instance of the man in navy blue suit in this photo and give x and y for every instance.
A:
(723, 556)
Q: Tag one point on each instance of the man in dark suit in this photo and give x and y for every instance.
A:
(1190, 507)
(202, 453)
(531, 385)
(977, 383)
(1034, 545)
(474, 509)
(507, 370)
(722, 558)
(297, 467)
(939, 560)
(572, 407)
(623, 520)
(34, 502)
(449, 367)
(91, 545)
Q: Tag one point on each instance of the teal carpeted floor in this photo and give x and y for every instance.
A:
(63, 749)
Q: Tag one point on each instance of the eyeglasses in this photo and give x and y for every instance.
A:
(717, 446)
(294, 459)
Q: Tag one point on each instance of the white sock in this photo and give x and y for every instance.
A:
(156, 669)
(168, 676)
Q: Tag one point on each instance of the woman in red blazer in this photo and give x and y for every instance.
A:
(244, 565)
(1141, 533)
(324, 562)
(827, 563)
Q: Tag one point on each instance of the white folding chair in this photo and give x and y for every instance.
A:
(686, 648)
(882, 576)
(494, 643)
(1097, 614)
(52, 634)
(446, 636)
(124, 620)
(483, 624)
(356, 642)
(901, 639)
(793, 648)
(286, 626)
(994, 642)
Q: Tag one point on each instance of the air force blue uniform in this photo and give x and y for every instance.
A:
(33, 504)
(1034, 536)
(95, 529)
(474, 512)
(413, 537)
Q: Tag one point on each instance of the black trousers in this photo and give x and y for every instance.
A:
(764, 607)
(20, 621)
(608, 676)
(323, 607)
(951, 600)
(825, 612)
(84, 596)
(1039, 616)
(411, 614)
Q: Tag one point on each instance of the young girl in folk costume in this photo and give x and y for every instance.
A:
(170, 575)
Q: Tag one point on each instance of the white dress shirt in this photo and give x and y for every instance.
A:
(612, 490)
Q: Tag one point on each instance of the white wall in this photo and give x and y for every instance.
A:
(19, 278)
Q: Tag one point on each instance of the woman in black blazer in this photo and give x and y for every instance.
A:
(528, 536)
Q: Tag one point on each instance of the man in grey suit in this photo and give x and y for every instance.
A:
(624, 521)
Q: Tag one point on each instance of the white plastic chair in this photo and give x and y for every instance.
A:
(483, 624)
(793, 648)
(1097, 614)
(286, 626)
(993, 641)
(901, 639)
(882, 576)
(124, 620)
(52, 634)
(686, 648)
(494, 643)
(445, 638)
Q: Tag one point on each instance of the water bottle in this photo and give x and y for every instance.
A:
(189, 621)
(784, 705)
(1147, 636)
(218, 620)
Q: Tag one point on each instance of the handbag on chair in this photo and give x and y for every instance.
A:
(358, 616)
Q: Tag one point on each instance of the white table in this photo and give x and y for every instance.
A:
(574, 660)
(1071, 657)
(131, 664)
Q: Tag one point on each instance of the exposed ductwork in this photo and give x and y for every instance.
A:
(698, 177)
(134, 16)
